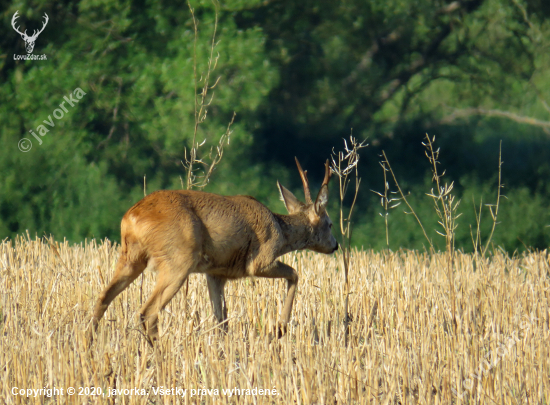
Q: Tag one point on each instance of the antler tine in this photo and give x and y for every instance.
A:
(14, 21)
(328, 173)
(303, 175)
(36, 33)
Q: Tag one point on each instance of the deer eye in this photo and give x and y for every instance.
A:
(330, 226)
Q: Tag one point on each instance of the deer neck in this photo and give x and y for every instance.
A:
(296, 232)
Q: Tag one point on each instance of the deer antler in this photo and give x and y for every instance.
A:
(35, 34)
(328, 173)
(303, 175)
(15, 16)
(24, 34)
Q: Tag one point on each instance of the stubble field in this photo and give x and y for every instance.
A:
(425, 328)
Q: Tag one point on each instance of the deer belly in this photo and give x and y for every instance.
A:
(232, 266)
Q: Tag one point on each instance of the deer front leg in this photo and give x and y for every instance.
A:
(217, 298)
(281, 270)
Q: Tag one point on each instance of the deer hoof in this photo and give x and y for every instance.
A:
(281, 329)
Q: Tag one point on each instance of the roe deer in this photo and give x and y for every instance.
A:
(183, 232)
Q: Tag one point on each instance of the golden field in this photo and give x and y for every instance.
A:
(425, 328)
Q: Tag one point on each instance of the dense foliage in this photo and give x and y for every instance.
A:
(300, 76)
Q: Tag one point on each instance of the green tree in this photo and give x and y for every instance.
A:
(134, 61)
(300, 76)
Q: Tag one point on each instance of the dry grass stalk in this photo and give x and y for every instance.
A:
(445, 204)
(198, 177)
(494, 214)
(387, 200)
(410, 356)
(386, 164)
(493, 210)
(345, 164)
(446, 208)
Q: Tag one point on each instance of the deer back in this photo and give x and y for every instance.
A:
(231, 235)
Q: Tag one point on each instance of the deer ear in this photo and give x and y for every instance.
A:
(321, 200)
(292, 204)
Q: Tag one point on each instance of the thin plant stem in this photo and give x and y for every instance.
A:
(386, 161)
(494, 215)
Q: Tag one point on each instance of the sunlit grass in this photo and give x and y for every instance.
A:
(404, 346)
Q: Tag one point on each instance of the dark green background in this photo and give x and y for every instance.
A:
(301, 75)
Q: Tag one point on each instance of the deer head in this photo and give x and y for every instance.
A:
(320, 238)
(29, 41)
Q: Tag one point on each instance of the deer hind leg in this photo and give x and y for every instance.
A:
(217, 298)
(281, 270)
(170, 277)
(126, 272)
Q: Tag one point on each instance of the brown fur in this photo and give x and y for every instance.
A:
(182, 232)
